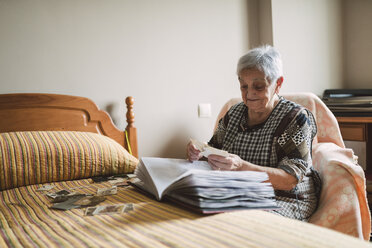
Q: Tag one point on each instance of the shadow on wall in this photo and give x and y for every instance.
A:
(110, 109)
(175, 147)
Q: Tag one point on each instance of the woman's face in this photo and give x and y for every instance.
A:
(257, 92)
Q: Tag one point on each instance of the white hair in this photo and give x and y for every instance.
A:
(266, 59)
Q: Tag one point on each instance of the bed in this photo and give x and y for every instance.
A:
(66, 141)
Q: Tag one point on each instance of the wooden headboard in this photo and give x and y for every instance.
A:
(53, 112)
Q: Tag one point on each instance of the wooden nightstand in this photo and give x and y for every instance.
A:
(358, 129)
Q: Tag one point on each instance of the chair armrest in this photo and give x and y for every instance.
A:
(343, 204)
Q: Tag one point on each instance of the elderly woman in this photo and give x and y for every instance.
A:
(268, 133)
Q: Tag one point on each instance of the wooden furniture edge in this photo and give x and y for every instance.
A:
(131, 129)
(360, 129)
(354, 119)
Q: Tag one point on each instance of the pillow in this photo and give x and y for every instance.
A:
(34, 157)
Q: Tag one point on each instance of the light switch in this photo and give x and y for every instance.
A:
(204, 110)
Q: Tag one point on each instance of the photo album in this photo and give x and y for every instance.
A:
(196, 186)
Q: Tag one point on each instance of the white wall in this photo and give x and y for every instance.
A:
(308, 34)
(170, 55)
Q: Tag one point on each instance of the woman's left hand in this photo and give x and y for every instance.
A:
(231, 162)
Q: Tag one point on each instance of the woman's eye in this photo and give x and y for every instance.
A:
(244, 87)
(259, 87)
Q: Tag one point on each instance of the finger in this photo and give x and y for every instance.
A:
(214, 167)
(194, 153)
(219, 159)
(220, 165)
(193, 148)
(193, 158)
(214, 164)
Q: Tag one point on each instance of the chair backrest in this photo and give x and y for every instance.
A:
(328, 128)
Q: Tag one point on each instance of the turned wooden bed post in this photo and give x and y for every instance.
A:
(131, 129)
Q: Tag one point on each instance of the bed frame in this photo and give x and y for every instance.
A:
(54, 112)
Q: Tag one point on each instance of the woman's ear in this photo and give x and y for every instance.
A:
(279, 83)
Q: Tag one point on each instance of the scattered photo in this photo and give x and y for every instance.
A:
(69, 203)
(107, 191)
(128, 207)
(89, 201)
(89, 211)
(116, 180)
(119, 182)
(108, 209)
(102, 178)
(58, 193)
(62, 198)
(46, 187)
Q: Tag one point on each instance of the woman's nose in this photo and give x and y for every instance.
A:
(251, 93)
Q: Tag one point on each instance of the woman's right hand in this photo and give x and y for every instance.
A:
(193, 153)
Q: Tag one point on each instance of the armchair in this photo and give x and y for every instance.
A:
(343, 204)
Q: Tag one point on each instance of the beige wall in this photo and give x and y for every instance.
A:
(260, 23)
(169, 54)
(357, 22)
(309, 35)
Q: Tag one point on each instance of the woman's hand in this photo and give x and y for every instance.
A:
(231, 162)
(192, 153)
(280, 179)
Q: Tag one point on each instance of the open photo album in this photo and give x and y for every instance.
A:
(197, 186)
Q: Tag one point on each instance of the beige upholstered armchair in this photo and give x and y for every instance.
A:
(343, 204)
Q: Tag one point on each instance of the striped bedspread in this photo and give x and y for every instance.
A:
(27, 221)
